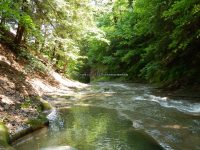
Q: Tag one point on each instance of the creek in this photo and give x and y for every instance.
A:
(119, 116)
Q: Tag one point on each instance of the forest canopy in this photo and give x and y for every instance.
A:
(55, 29)
(150, 40)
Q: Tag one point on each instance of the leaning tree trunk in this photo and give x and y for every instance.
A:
(19, 35)
(21, 27)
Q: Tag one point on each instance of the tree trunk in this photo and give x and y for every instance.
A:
(21, 27)
(53, 54)
(64, 67)
(19, 35)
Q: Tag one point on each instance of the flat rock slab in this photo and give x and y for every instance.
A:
(59, 148)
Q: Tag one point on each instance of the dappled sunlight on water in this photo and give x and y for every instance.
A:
(89, 128)
(174, 123)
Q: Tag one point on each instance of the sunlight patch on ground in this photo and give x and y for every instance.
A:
(66, 86)
(41, 87)
(67, 82)
(6, 100)
(4, 59)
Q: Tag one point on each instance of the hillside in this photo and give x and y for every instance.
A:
(21, 91)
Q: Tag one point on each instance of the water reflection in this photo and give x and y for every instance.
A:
(174, 123)
(90, 128)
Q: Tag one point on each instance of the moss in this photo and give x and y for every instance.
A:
(25, 105)
(38, 122)
(35, 124)
(36, 102)
(4, 137)
(45, 105)
(65, 96)
(31, 101)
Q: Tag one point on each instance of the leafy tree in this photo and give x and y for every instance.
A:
(151, 40)
(51, 28)
(148, 39)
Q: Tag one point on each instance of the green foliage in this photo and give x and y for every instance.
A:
(38, 122)
(4, 135)
(153, 40)
(54, 28)
(148, 39)
(33, 64)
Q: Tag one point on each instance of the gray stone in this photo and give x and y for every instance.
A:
(59, 148)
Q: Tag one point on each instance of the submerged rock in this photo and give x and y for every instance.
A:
(106, 89)
(58, 148)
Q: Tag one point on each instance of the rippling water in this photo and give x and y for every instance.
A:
(118, 116)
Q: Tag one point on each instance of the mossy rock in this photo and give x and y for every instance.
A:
(35, 124)
(4, 135)
(45, 105)
(39, 122)
(4, 138)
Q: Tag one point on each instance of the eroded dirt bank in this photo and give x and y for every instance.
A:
(21, 92)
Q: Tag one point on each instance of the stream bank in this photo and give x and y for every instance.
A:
(21, 92)
(92, 116)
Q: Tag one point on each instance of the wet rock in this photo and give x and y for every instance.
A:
(58, 148)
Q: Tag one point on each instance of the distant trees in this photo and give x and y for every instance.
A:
(154, 40)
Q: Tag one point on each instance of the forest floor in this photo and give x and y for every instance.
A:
(20, 92)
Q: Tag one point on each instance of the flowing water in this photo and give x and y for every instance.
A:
(116, 116)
